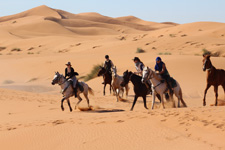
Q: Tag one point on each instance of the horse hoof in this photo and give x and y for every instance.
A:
(62, 109)
(71, 110)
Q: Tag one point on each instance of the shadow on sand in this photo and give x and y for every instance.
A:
(100, 110)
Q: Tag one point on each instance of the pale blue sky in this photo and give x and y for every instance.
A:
(179, 11)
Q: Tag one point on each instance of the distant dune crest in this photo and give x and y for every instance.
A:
(41, 22)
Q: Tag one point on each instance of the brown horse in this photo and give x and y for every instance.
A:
(215, 77)
(107, 76)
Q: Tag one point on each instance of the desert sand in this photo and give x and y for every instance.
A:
(38, 42)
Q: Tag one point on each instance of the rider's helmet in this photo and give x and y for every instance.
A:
(158, 59)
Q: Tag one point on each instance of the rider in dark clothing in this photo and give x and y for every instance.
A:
(108, 65)
(161, 68)
(69, 72)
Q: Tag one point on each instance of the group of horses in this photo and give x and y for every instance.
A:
(119, 84)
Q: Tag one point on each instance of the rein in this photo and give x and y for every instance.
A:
(62, 82)
(150, 76)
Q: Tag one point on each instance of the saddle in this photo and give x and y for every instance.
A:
(172, 83)
(81, 88)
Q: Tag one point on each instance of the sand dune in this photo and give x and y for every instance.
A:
(37, 11)
(38, 42)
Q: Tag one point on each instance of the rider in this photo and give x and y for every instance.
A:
(161, 68)
(69, 71)
(139, 65)
(108, 65)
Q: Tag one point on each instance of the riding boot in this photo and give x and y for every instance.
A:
(75, 92)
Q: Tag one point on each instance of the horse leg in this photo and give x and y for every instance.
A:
(110, 88)
(206, 89)
(122, 89)
(86, 96)
(144, 99)
(114, 91)
(62, 104)
(135, 99)
(158, 96)
(162, 101)
(153, 99)
(216, 94)
(80, 99)
(104, 89)
(116, 95)
(127, 89)
(68, 101)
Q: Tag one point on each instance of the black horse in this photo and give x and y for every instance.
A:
(107, 76)
(140, 89)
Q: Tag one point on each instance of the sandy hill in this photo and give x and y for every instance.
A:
(37, 11)
(81, 20)
(43, 23)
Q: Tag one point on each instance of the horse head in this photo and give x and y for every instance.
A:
(56, 78)
(146, 74)
(206, 62)
(126, 78)
(101, 71)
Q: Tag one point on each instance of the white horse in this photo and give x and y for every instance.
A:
(67, 90)
(160, 88)
(117, 80)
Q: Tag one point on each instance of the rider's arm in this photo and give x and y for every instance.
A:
(163, 69)
(112, 64)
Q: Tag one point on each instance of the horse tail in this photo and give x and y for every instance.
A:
(90, 91)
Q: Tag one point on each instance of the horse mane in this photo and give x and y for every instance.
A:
(157, 77)
(133, 74)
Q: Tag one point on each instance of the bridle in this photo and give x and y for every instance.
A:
(150, 75)
(205, 64)
(58, 80)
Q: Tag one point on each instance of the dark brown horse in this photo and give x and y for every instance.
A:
(215, 77)
(107, 76)
(140, 88)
